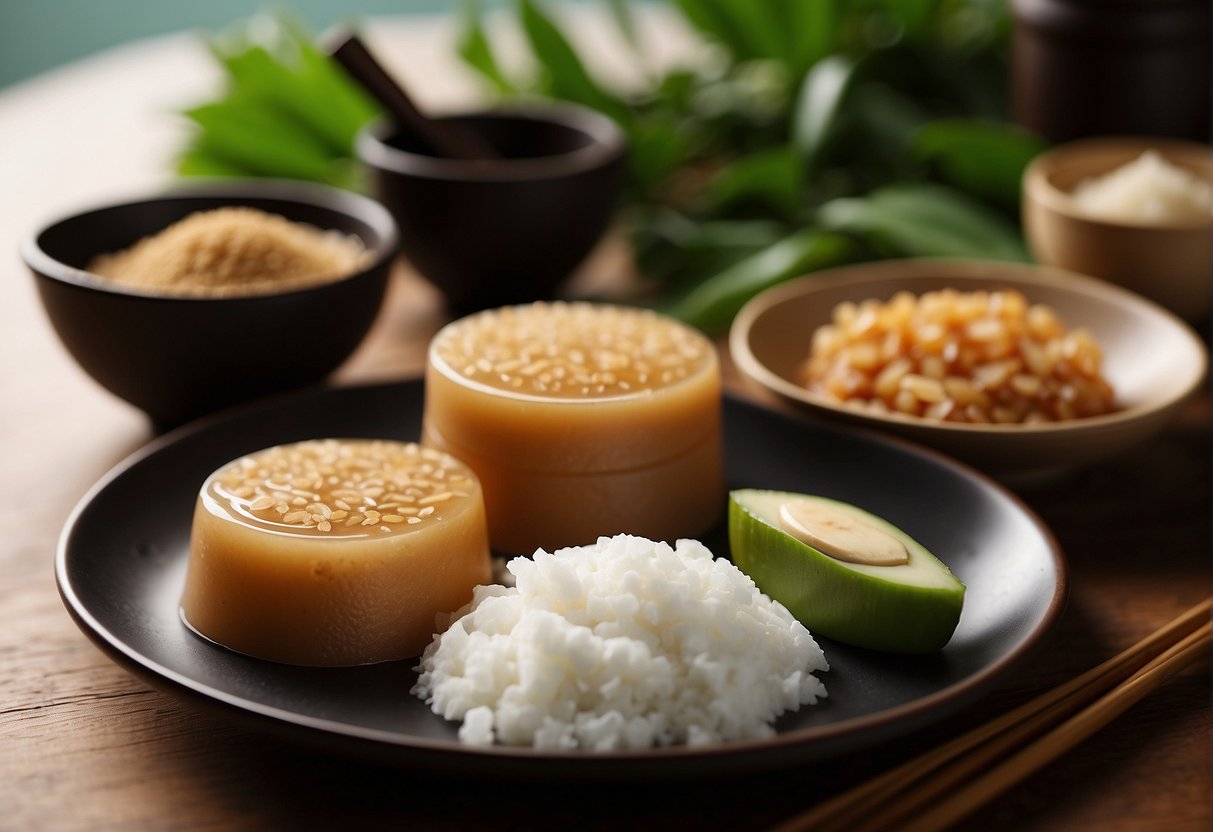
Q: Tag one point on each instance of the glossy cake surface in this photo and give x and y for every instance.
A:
(580, 420)
(334, 552)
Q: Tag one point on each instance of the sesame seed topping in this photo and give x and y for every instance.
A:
(331, 486)
(573, 350)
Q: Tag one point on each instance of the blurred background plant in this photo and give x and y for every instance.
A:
(817, 132)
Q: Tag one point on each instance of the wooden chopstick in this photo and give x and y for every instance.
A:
(1071, 732)
(895, 795)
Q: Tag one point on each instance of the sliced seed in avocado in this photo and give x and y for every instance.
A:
(876, 588)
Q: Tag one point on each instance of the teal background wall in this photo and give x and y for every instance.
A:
(36, 35)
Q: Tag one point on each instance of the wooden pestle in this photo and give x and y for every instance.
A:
(437, 137)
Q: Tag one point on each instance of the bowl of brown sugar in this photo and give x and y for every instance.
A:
(193, 299)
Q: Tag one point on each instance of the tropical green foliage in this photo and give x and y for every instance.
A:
(289, 110)
(820, 132)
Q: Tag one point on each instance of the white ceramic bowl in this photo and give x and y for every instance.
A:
(1152, 359)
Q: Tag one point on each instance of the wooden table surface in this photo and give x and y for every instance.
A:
(87, 746)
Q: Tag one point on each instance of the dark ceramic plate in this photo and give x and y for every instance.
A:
(121, 567)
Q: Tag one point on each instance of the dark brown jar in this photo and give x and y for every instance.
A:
(1099, 67)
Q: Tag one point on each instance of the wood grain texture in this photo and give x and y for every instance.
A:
(85, 746)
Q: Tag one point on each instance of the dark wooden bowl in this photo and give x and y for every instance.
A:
(180, 357)
(509, 230)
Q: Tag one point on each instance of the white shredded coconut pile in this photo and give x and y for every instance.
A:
(624, 644)
(1149, 189)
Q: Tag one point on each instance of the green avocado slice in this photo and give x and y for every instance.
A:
(913, 607)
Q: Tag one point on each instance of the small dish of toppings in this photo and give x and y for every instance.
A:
(1150, 190)
(975, 357)
(193, 299)
(1026, 372)
(1136, 211)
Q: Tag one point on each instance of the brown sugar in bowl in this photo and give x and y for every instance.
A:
(177, 357)
(581, 420)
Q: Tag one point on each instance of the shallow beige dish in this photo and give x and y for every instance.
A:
(1152, 359)
(1171, 264)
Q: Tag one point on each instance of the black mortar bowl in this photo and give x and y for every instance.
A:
(493, 232)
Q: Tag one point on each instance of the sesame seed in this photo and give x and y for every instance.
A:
(573, 350)
(316, 485)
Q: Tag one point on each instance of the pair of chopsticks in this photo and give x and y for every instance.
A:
(940, 787)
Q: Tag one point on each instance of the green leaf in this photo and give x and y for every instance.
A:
(674, 249)
(713, 304)
(336, 97)
(758, 27)
(477, 52)
(288, 110)
(283, 69)
(621, 13)
(656, 146)
(915, 17)
(984, 158)
(710, 19)
(262, 139)
(925, 220)
(873, 137)
(820, 105)
(200, 161)
(945, 81)
(566, 75)
(675, 91)
(811, 31)
(257, 76)
(771, 179)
